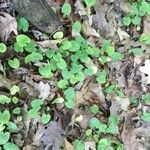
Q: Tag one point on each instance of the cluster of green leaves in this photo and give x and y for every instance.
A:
(139, 8)
(34, 112)
(102, 129)
(111, 127)
(7, 126)
(103, 143)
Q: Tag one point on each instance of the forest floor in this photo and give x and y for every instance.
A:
(85, 89)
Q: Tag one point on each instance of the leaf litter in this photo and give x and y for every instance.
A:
(131, 75)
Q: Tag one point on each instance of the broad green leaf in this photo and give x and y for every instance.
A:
(62, 84)
(23, 24)
(4, 99)
(101, 78)
(3, 48)
(14, 63)
(22, 40)
(66, 9)
(14, 89)
(45, 118)
(10, 146)
(90, 3)
(78, 144)
(4, 137)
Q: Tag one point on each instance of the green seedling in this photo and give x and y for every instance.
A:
(14, 63)
(66, 9)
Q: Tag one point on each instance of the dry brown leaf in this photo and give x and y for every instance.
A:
(90, 146)
(8, 25)
(87, 28)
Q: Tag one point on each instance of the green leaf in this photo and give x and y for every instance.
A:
(36, 103)
(45, 71)
(145, 38)
(70, 104)
(31, 47)
(12, 127)
(76, 26)
(17, 111)
(33, 113)
(116, 56)
(22, 40)
(5, 117)
(103, 144)
(4, 137)
(18, 48)
(3, 48)
(94, 109)
(137, 51)
(23, 24)
(62, 84)
(94, 123)
(69, 93)
(45, 118)
(146, 116)
(90, 3)
(33, 57)
(144, 8)
(4, 99)
(110, 50)
(66, 74)
(10, 146)
(58, 35)
(65, 45)
(127, 20)
(75, 46)
(14, 63)
(88, 132)
(112, 128)
(146, 98)
(66, 9)
(136, 20)
(14, 89)
(62, 64)
(91, 70)
(102, 77)
(78, 144)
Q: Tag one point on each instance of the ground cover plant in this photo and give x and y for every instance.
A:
(83, 87)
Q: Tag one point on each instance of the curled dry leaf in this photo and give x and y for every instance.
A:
(8, 25)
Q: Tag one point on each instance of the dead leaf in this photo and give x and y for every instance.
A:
(52, 136)
(89, 146)
(146, 25)
(68, 145)
(146, 69)
(8, 25)
(44, 90)
(85, 14)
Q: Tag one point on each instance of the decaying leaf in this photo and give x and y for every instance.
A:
(52, 136)
(90, 146)
(87, 28)
(44, 90)
(146, 69)
(8, 25)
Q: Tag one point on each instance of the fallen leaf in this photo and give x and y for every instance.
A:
(89, 146)
(8, 25)
(52, 136)
(44, 90)
(85, 14)
(146, 70)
